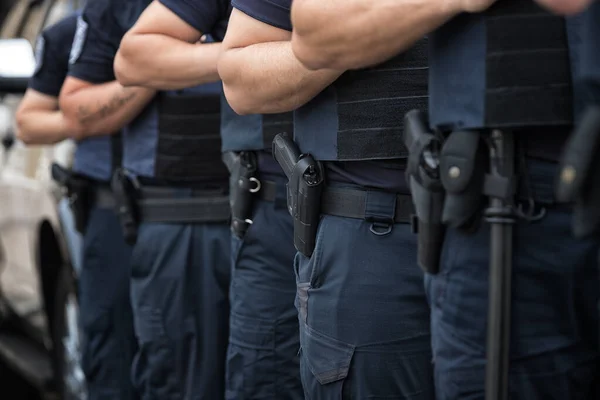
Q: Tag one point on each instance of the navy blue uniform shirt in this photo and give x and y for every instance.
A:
(272, 12)
(206, 16)
(52, 57)
(277, 13)
(99, 33)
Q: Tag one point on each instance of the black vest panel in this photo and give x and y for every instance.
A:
(274, 124)
(189, 142)
(507, 67)
(360, 116)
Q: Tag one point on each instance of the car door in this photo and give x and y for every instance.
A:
(27, 197)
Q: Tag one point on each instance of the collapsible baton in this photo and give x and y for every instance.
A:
(501, 216)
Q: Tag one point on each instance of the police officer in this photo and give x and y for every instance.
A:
(364, 320)
(262, 360)
(173, 198)
(107, 321)
(512, 67)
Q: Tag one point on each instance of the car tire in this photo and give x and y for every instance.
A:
(66, 337)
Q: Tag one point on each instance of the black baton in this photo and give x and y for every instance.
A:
(501, 216)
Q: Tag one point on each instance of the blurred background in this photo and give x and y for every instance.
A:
(39, 249)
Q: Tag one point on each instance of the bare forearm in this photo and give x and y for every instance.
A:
(350, 34)
(161, 62)
(102, 109)
(42, 127)
(267, 78)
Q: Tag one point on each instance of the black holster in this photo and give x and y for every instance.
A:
(126, 191)
(79, 191)
(304, 189)
(422, 175)
(243, 185)
(580, 168)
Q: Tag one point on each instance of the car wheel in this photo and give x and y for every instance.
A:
(67, 340)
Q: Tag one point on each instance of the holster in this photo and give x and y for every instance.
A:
(126, 191)
(79, 191)
(463, 169)
(304, 202)
(304, 189)
(579, 171)
(422, 175)
(243, 184)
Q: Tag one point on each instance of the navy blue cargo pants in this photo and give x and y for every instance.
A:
(179, 287)
(106, 318)
(364, 318)
(262, 360)
(554, 338)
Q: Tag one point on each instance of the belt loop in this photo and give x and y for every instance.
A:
(380, 210)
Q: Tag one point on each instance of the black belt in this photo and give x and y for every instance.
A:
(103, 197)
(268, 190)
(352, 203)
(168, 205)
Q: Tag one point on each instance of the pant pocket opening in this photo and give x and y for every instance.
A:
(328, 359)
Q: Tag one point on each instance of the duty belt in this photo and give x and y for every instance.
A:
(268, 191)
(171, 205)
(352, 203)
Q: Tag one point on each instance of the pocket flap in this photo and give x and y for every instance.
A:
(328, 359)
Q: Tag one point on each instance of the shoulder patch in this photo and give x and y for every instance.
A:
(78, 40)
(39, 53)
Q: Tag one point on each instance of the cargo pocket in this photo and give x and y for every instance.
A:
(154, 369)
(324, 364)
(251, 372)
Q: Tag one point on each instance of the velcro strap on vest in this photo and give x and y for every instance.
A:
(166, 205)
(392, 88)
(528, 79)
(352, 203)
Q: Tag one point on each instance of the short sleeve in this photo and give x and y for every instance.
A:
(203, 15)
(272, 12)
(97, 38)
(52, 57)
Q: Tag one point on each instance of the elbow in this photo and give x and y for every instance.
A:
(124, 73)
(234, 92)
(238, 101)
(126, 70)
(309, 56)
(22, 134)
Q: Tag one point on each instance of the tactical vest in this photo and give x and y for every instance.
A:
(176, 138)
(511, 66)
(97, 157)
(587, 71)
(360, 116)
(251, 132)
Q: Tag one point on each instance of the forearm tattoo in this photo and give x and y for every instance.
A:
(103, 110)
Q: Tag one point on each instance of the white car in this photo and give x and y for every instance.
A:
(39, 249)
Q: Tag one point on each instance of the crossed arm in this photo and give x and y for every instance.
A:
(101, 109)
(260, 73)
(39, 120)
(351, 34)
(162, 51)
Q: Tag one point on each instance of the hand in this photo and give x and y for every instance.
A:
(565, 7)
